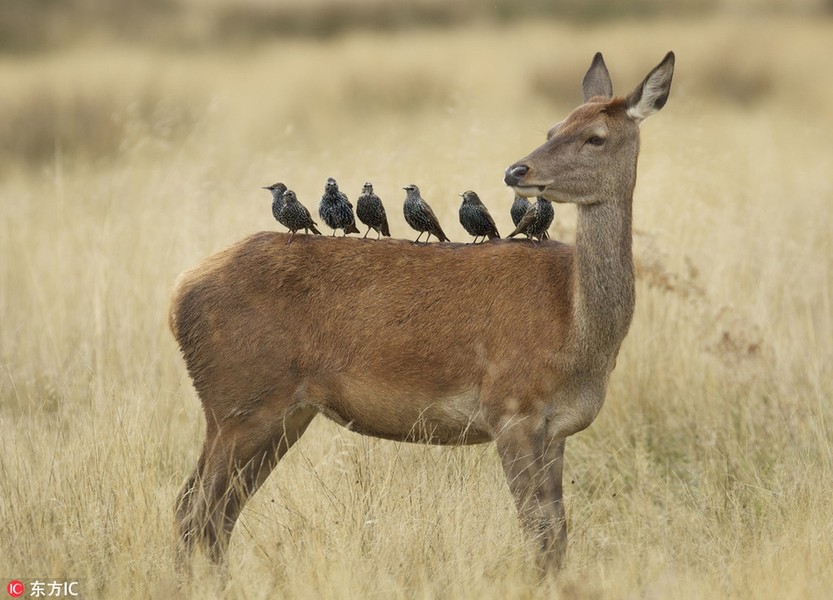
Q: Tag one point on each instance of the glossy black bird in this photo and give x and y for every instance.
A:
(277, 190)
(420, 216)
(536, 221)
(371, 212)
(475, 217)
(519, 208)
(295, 216)
(335, 209)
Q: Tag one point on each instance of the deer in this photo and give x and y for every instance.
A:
(423, 343)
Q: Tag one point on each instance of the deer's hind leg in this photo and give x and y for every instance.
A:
(237, 457)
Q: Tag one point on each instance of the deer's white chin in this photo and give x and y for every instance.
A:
(534, 191)
(529, 191)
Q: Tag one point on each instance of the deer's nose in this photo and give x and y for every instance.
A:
(514, 174)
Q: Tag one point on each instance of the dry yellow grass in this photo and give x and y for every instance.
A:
(707, 474)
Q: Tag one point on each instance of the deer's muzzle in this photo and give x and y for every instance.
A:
(514, 174)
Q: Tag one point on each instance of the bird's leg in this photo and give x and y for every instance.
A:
(419, 236)
(291, 235)
(366, 232)
(378, 234)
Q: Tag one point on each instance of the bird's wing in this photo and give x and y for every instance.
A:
(435, 222)
(309, 216)
(526, 220)
(488, 216)
(431, 216)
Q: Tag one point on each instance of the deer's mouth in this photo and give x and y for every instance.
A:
(534, 191)
(529, 191)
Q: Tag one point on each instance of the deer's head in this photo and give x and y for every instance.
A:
(591, 154)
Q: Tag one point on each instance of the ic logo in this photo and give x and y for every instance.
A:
(15, 588)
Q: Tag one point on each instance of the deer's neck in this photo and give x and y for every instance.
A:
(604, 284)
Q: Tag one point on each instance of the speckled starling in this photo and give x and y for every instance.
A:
(519, 208)
(536, 221)
(371, 212)
(277, 190)
(335, 209)
(295, 216)
(420, 216)
(475, 217)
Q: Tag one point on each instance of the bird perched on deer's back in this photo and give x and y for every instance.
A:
(335, 209)
(295, 216)
(475, 217)
(371, 212)
(518, 210)
(420, 216)
(277, 190)
(536, 221)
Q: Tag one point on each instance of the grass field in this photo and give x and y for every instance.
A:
(709, 471)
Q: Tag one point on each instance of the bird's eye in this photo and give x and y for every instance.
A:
(596, 140)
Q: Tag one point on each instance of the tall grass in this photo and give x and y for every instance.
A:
(707, 473)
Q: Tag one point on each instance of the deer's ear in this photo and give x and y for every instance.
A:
(596, 81)
(651, 95)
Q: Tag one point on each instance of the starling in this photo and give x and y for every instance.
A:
(475, 217)
(370, 211)
(536, 220)
(420, 216)
(335, 209)
(295, 216)
(277, 190)
(519, 208)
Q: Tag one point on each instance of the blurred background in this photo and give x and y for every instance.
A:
(135, 137)
(36, 25)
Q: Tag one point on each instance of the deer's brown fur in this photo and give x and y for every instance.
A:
(509, 341)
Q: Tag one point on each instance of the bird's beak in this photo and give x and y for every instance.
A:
(265, 187)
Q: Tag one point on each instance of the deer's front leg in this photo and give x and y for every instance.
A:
(554, 457)
(533, 472)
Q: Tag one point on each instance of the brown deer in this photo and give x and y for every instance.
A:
(425, 343)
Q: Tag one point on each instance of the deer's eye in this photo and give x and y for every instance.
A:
(595, 140)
